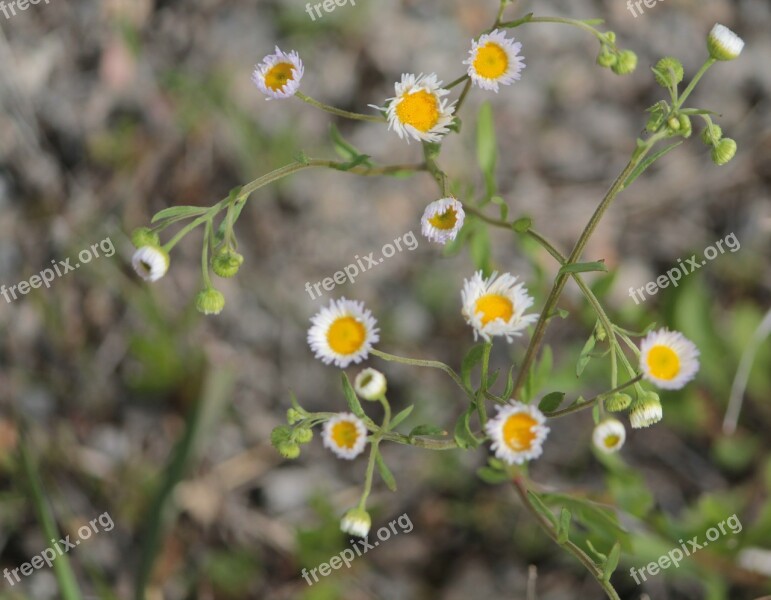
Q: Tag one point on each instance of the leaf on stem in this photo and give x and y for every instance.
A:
(598, 265)
(426, 430)
(463, 435)
(648, 162)
(586, 355)
(563, 529)
(551, 402)
(473, 356)
(385, 472)
(400, 417)
(179, 211)
(353, 401)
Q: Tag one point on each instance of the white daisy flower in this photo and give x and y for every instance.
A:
(442, 220)
(609, 435)
(150, 262)
(356, 522)
(418, 109)
(646, 411)
(343, 333)
(370, 384)
(494, 59)
(496, 306)
(755, 559)
(345, 435)
(668, 359)
(724, 44)
(517, 432)
(279, 74)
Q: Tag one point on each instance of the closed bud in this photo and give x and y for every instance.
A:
(606, 58)
(668, 72)
(673, 125)
(646, 410)
(610, 36)
(618, 402)
(144, 236)
(227, 263)
(724, 44)
(356, 522)
(303, 435)
(210, 301)
(280, 435)
(724, 151)
(712, 134)
(293, 416)
(627, 62)
(686, 129)
(655, 121)
(289, 450)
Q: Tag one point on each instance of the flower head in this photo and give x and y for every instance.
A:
(646, 411)
(668, 359)
(442, 220)
(356, 522)
(279, 74)
(618, 402)
(210, 301)
(343, 333)
(494, 59)
(370, 384)
(724, 44)
(418, 109)
(150, 262)
(496, 305)
(609, 435)
(345, 435)
(517, 432)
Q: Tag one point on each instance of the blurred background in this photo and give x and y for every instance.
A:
(114, 110)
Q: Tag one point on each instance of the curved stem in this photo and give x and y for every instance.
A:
(687, 92)
(433, 364)
(561, 20)
(338, 111)
(463, 95)
(593, 401)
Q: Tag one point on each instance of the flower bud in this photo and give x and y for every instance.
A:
(655, 121)
(724, 44)
(210, 301)
(144, 236)
(610, 36)
(673, 125)
(289, 450)
(686, 129)
(646, 411)
(370, 384)
(303, 435)
(606, 58)
(356, 522)
(150, 262)
(609, 436)
(618, 402)
(668, 72)
(627, 62)
(723, 151)
(293, 416)
(280, 435)
(227, 263)
(712, 134)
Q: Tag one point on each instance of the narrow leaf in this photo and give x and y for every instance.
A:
(426, 430)
(473, 356)
(563, 531)
(598, 265)
(648, 162)
(400, 417)
(385, 472)
(179, 211)
(612, 562)
(353, 401)
(539, 505)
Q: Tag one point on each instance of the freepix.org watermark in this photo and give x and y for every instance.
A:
(684, 268)
(327, 5)
(674, 556)
(60, 269)
(361, 546)
(57, 549)
(9, 9)
(631, 4)
(354, 270)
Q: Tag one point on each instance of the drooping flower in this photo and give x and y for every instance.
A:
(496, 306)
(668, 359)
(609, 435)
(370, 384)
(419, 109)
(646, 411)
(345, 435)
(442, 220)
(279, 74)
(150, 262)
(343, 333)
(724, 44)
(517, 432)
(356, 522)
(494, 60)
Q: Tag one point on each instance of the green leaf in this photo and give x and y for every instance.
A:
(503, 206)
(487, 154)
(481, 250)
(586, 267)
(473, 356)
(600, 556)
(400, 417)
(180, 212)
(596, 517)
(463, 435)
(492, 378)
(385, 472)
(353, 401)
(343, 148)
(295, 404)
(563, 530)
(426, 430)
(509, 383)
(492, 476)
(612, 562)
(585, 355)
(551, 402)
(522, 225)
(538, 375)
(648, 162)
(541, 507)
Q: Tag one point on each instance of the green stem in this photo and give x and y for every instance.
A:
(700, 73)
(585, 559)
(205, 255)
(481, 408)
(593, 401)
(564, 21)
(463, 95)
(458, 81)
(338, 111)
(373, 453)
(436, 172)
(433, 364)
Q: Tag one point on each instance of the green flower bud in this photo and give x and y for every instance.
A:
(210, 301)
(618, 402)
(610, 36)
(289, 450)
(606, 58)
(712, 134)
(144, 236)
(303, 435)
(280, 435)
(293, 416)
(724, 151)
(673, 125)
(724, 44)
(627, 62)
(655, 121)
(668, 72)
(356, 522)
(646, 410)
(227, 263)
(686, 129)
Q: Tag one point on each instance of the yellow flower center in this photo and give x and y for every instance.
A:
(663, 362)
(344, 434)
(421, 110)
(494, 306)
(519, 431)
(346, 335)
(491, 61)
(279, 74)
(445, 220)
(611, 441)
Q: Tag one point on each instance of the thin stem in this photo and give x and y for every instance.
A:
(463, 95)
(373, 453)
(481, 408)
(458, 81)
(338, 111)
(564, 21)
(585, 559)
(205, 255)
(433, 364)
(700, 73)
(593, 401)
